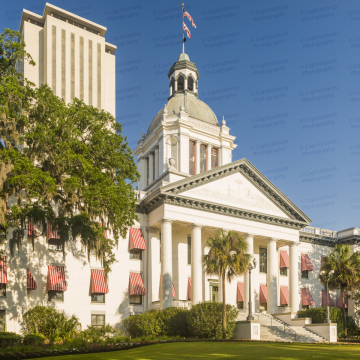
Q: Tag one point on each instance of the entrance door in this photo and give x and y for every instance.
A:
(214, 292)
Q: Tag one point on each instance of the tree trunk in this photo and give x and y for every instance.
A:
(343, 310)
(224, 308)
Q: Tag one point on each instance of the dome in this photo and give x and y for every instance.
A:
(183, 56)
(193, 106)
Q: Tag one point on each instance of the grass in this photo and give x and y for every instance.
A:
(228, 350)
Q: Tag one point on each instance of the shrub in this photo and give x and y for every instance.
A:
(33, 339)
(96, 334)
(174, 321)
(147, 324)
(205, 320)
(9, 339)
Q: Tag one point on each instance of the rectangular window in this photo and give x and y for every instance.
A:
(55, 245)
(147, 171)
(97, 298)
(214, 158)
(305, 307)
(192, 157)
(240, 305)
(2, 320)
(263, 260)
(72, 66)
(99, 76)
(153, 158)
(189, 249)
(2, 290)
(55, 295)
(97, 320)
(136, 254)
(53, 60)
(202, 158)
(263, 306)
(81, 68)
(283, 271)
(90, 72)
(305, 274)
(136, 299)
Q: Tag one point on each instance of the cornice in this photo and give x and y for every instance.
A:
(317, 240)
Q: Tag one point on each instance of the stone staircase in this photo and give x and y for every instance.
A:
(274, 329)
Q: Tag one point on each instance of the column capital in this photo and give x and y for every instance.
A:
(167, 220)
(197, 141)
(272, 239)
(292, 243)
(156, 147)
(192, 226)
(250, 235)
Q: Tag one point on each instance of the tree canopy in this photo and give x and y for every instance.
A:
(66, 164)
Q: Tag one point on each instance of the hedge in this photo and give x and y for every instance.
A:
(9, 339)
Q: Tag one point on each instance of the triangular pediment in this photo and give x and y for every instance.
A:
(238, 185)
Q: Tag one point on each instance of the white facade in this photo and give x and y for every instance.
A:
(189, 188)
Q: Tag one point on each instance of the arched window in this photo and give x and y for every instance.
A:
(172, 85)
(180, 83)
(191, 83)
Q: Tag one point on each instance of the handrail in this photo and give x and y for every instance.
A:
(281, 322)
(252, 313)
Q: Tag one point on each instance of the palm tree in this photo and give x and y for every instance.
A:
(227, 258)
(346, 276)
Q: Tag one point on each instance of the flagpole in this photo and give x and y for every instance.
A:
(183, 42)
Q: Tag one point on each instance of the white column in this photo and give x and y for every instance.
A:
(151, 167)
(196, 265)
(208, 157)
(250, 250)
(272, 273)
(293, 277)
(166, 264)
(197, 157)
(185, 84)
(156, 162)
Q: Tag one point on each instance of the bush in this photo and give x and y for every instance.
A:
(174, 321)
(205, 320)
(9, 339)
(33, 339)
(96, 334)
(147, 324)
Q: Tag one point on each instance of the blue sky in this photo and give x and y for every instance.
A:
(284, 74)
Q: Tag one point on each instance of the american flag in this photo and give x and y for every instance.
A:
(187, 31)
(189, 17)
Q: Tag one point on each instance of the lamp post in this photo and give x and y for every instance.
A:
(327, 276)
(251, 267)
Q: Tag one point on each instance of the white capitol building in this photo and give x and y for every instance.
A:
(189, 188)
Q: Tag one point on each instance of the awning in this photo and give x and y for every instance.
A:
(284, 295)
(98, 283)
(137, 240)
(284, 259)
(240, 292)
(307, 299)
(263, 294)
(31, 284)
(331, 301)
(189, 288)
(339, 302)
(52, 234)
(31, 228)
(3, 270)
(306, 264)
(173, 288)
(56, 278)
(137, 286)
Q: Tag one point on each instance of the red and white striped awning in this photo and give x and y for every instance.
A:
(307, 299)
(240, 292)
(284, 259)
(284, 295)
(53, 234)
(137, 286)
(339, 302)
(263, 294)
(323, 296)
(137, 240)
(98, 283)
(31, 228)
(173, 288)
(189, 288)
(56, 278)
(306, 264)
(31, 284)
(3, 270)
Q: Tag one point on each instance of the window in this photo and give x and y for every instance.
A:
(305, 307)
(2, 320)
(55, 295)
(240, 305)
(263, 260)
(214, 158)
(2, 290)
(136, 299)
(147, 171)
(55, 245)
(97, 320)
(305, 274)
(189, 249)
(180, 83)
(263, 306)
(153, 157)
(136, 254)
(191, 83)
(202, 158)
(192, 157)
(172, 84)
(283, 271)
(97, 298)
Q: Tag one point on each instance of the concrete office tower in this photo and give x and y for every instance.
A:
(71, 56)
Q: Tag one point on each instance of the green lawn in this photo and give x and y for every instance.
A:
(230, 350)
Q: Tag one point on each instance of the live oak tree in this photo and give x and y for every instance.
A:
(73, 169)
(226, 258)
